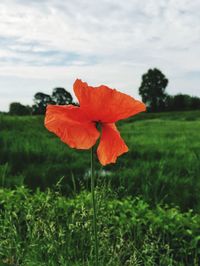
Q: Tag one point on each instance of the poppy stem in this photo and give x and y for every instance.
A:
(94, 207)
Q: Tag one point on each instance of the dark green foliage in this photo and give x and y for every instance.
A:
(19, 109)
(181, 102)
(194, 103)
(61, 96)
(41, 100)
(48, 229)
(152, 89)
(169, 103)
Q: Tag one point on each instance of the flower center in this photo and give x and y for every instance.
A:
(98, 125)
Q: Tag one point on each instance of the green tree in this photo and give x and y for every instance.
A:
(19, 109)
(41, 100)
(169, 103)
(61, 96)
(195, 103)
(152, 89)
(182, 102)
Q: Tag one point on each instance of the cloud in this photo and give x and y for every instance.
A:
(107, 41)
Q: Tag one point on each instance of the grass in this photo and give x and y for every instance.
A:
(148, 202)
(45, 228)
(162, 165)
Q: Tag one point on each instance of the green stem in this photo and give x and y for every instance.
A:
(94, 207)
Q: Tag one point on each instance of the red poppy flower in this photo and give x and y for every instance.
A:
(77, 126)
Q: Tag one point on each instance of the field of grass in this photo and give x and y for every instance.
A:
(149, 201)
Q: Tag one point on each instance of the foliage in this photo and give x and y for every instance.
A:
(19, 109)
(152, 89)
(45, 228)
(41, 100)
(181, 102)
(194, 103)
(61, 96)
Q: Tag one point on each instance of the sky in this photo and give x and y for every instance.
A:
(50, 43)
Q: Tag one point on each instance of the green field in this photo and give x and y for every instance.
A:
(149, 201)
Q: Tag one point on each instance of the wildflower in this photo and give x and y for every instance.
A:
(78, 126)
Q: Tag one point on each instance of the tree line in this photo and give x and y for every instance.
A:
(59, 96)
(152, 91)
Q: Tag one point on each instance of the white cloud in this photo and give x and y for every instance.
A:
(110, 42)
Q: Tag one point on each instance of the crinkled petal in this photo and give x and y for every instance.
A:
(111, 144)
(105, 104)
(71, 126)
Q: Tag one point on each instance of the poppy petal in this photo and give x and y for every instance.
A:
(111, 144)
(71, 126)
(105, 104)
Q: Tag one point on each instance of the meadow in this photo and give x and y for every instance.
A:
(148, 202)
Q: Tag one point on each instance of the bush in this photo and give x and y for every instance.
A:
(19, 109)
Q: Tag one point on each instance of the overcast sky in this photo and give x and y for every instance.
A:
(50, 43)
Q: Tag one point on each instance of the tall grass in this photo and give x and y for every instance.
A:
(162, 165)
